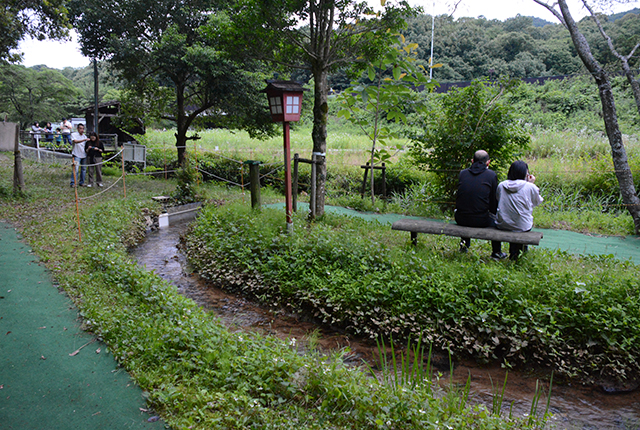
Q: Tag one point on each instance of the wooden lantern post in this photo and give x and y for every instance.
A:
(285, 103)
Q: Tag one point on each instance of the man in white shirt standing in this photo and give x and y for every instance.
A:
(79, 154)
(66, 129)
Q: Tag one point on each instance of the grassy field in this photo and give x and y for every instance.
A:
(573, 170)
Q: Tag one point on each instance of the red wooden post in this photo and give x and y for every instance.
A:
(287, 176)
(285, 103)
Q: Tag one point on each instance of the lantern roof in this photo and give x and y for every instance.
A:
(283, 86)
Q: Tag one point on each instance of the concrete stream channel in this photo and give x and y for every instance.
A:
(573, 406)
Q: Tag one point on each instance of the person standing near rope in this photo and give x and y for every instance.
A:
(35, 132)
(94, 149)
(78, 140)
(66, 129)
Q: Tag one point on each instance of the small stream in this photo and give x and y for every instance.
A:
(574, 407)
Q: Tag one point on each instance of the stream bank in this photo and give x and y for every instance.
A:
(574, 407)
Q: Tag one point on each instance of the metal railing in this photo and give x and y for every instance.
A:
(54, 142)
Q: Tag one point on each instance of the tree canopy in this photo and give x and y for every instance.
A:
(30, 18)
(35, 95)
(170, 53)
(518, 47)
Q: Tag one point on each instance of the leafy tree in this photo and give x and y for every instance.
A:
(319, 35)
(31, 95)
(393, 79)
(630, 34)
(609, 114)
(82, 79)
(170, 54)
(30, 18)
(468, 119)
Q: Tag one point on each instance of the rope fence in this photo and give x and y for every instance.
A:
(103, 191)
(43, 155)
(222, 179)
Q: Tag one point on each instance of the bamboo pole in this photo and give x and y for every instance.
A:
(124, 185)
(75, 188)
(294, 184)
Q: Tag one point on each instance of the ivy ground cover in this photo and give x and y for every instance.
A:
(578, 316)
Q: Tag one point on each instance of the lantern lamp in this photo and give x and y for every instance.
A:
(285, 103)
(285, 100)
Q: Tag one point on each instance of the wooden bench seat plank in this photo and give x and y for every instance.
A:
(489, 233)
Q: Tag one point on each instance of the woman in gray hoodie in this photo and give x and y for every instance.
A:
(517, 196)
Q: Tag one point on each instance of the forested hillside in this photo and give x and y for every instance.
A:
(519, 47)
(467, 48)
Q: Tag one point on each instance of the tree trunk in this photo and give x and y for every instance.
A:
(181, 146)
(618, 152)
(635, 84)
(181, 124)
(624, 60)
(319, 133)
(18, 177)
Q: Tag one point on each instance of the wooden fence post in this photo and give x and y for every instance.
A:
(18, 176)
(254, 183)
(312, 188)
(384, 181)
(366, 168)
(294, 185)
(124, 184)
(364, 179)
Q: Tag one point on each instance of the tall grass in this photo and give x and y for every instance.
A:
(344, 147)
(573, 169)
(565, 145)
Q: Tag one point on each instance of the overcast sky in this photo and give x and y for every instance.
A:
(59, 55)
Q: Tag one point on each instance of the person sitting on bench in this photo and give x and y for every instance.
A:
(476, 200)
(517, 196)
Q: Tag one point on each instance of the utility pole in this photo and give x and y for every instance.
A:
(95, 95)
(433, 26)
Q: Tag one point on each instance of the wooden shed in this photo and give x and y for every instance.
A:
(106, 112)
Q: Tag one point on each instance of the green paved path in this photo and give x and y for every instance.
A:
(41, 385)
(623, 248)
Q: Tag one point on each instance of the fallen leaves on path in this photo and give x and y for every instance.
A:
(74, 353)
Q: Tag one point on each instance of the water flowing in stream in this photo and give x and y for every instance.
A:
(573, 406)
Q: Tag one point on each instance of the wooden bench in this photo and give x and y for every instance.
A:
(416, 226)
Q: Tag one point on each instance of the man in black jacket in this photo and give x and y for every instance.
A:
(476, 202)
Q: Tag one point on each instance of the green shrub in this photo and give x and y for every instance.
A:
(188, 177)
(468, 120)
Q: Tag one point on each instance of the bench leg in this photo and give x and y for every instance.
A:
(414, 238)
